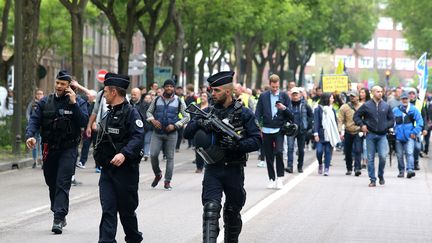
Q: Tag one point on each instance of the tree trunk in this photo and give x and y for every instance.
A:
(180, 35)
(124, 44)
(190, 67)
(249, 60)
(260, 65)
(30, 20)
(150, 53)
(293, 59)
(282, 57)
(76, 10)
(238, 56)
(201, 71)
(77, 46)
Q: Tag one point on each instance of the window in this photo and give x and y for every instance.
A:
(365, 62)
(384, 63)
(401, 45)
(404, 64)
(384, 43)
(385, 23)
(349, 61)
(399, 26)
(369, 45)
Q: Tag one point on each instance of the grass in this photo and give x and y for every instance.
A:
(6, 153)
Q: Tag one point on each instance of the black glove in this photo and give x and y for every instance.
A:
(229, 143)
(205, 124)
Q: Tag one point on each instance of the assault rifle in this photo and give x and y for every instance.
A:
(215, 155)
(218, 125)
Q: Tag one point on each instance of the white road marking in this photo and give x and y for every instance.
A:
(261, 205)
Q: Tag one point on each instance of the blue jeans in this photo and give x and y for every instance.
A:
(406, 148)
(301, 137)
(326, 149)
(147, 139)
(376, 144)
(167, 142)
(37, 151)
(85, 149)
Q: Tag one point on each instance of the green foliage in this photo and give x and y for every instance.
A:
(415, 19)
(54, 28)
(336, 24)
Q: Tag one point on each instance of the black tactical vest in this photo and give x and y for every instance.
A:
(233, 114)
(113, 135)
(58, 129)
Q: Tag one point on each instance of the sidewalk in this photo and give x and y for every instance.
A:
(23, 161)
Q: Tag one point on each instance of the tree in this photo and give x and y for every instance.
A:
(76, 10)
(123, 24)
(417, 28)
(54, 30)
(31, 11)
(152, 27)
(330, 25)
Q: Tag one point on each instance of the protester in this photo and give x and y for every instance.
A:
(325, 131)
(375, 117)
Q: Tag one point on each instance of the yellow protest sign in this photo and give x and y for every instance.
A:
(335, 83)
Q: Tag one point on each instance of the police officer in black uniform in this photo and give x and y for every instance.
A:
(227, 174)
(60, 117)
(118, 149)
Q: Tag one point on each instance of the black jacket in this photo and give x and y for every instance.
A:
(377, 118)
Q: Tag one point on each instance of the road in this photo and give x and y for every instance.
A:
(310, 207)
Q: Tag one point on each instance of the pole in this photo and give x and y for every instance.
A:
(18, 47)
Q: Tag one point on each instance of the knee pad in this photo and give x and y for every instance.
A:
(232, 216)
(211, 210)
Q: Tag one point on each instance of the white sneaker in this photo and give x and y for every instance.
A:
(80, 165)
(261, 164)
(271, 184)
(279, 183)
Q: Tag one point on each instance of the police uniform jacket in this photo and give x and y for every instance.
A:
(122, 132)
(76, 113)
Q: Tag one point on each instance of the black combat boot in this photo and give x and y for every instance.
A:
(211, 217)
(233, 224)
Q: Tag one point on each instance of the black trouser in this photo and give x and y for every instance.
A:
(58, 168)
(229, 180)
(273, 147)
(426, 143)
(353, 145)
(118, 191)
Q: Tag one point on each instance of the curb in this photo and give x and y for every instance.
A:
(20, 164)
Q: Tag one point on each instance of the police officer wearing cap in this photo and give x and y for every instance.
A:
(59, 117)
(118, 149)
(226, 175)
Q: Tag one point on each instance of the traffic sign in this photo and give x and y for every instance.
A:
(100, 76)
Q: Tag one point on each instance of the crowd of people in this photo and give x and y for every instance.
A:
(128, 128)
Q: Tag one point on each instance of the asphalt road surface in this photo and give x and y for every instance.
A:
(310, 207)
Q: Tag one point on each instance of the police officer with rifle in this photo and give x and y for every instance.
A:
(60, 117)
(118, 149)
(224, 133)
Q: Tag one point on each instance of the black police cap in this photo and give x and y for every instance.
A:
(64, 75)
(118, 80)
(221, 78)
